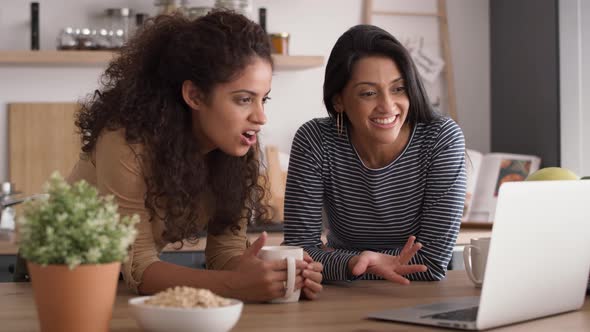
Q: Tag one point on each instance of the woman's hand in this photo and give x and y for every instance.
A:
(392, 268)
(312, 278)
(254, 279)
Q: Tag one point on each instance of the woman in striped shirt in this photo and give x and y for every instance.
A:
(387, 170)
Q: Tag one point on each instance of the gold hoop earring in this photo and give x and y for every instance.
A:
(339, 124)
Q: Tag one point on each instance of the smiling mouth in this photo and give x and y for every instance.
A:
(386, 121)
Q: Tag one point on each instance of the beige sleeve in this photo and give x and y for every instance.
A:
(118, 173)
(221, 248)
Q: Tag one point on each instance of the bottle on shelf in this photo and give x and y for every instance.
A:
(34, 26)
(262, 18)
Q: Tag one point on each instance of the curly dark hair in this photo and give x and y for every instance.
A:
(142, 93)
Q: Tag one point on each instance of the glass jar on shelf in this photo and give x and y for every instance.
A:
(85, 39)
(197, 8)
(279, 43)
(102, 40)
(195, 12)
(116, 38)
(66, 40)
(243, 7)
(167, 7)
(119, 19)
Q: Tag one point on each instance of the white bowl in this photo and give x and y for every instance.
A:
(164, 319)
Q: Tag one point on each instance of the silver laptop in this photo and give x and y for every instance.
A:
(538, 261)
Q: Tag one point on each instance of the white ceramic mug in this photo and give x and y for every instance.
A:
(475, 256)
(291, 254)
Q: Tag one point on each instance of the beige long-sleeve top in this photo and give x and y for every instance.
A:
(115, 169)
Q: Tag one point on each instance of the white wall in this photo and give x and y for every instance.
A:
(469, 30)
(296, 95)
(574, 55)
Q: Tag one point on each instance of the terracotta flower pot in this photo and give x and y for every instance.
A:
(81, 299)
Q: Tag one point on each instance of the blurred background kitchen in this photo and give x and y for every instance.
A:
(477, 33)
(519, 69)
(313, 27)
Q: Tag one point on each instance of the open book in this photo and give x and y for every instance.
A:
(485, 174)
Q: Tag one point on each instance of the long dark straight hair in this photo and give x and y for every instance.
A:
(367, 40)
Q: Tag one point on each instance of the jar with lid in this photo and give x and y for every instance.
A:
(119, 19)
(102, 40)
(243, 7)
(86, 40)
(197, 8)
(116, 38)
(67, 40)
(279, 43)
(167, 7)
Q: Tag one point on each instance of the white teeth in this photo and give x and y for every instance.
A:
(250, 133)
(384, 121)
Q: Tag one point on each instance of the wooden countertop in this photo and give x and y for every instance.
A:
(341, 307)
(465, 234)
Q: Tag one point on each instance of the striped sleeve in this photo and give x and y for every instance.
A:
(444, 198)
(304, 201)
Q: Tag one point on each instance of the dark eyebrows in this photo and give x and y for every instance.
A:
(248, 92)
(374, 84)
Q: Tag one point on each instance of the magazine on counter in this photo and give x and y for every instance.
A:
(485, 175)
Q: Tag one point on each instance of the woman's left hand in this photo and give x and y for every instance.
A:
(312, 278)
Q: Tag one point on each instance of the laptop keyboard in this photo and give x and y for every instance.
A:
(463, 315)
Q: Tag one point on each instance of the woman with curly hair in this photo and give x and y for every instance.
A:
(172, 134)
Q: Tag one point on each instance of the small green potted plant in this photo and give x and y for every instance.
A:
(74, 242)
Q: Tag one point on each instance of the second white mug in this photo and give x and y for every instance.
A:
(291, 254)
(475, 256)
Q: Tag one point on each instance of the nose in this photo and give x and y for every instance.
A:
(258, 116)
(386, 102)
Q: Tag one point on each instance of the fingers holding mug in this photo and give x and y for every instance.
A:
(288, 262)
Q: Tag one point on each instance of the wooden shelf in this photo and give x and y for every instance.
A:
(55, 58)
(297, 62)
(476, 224)
(101, 58)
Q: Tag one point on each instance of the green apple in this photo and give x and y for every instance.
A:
(552, 173)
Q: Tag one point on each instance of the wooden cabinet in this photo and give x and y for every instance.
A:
(41, 139)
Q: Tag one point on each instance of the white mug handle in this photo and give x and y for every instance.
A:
(467, 259)
(290, 276)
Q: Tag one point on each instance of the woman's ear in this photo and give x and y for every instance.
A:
(337, 103)
(192, 95)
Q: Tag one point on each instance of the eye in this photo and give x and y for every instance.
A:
(266, 99)
(368, 93)
(244, 100)
(398, 89)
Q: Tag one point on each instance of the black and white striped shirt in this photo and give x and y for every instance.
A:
(420, 193)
